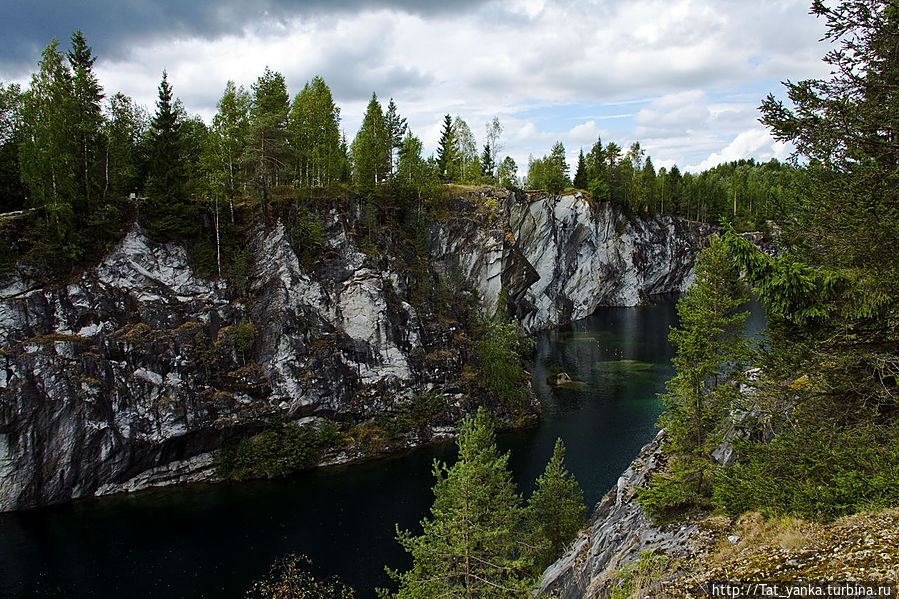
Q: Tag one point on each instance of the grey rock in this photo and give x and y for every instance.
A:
(102, 391)
(619, 531)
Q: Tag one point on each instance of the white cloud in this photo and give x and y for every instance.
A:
(751, 143)
(694, 69)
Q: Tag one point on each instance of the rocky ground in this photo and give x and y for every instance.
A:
(622, 554)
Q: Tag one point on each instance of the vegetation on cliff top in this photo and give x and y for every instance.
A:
(74, 154)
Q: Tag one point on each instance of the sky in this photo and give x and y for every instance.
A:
(682, 77)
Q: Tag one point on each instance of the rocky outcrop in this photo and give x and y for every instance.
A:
(618, 533)
(133, 375)
(559, 258)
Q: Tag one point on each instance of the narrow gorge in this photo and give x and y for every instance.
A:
(136, 374)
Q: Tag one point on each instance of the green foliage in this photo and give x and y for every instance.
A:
(314, 135)
(507, 173)
(555, 511)
(243, 335)
(307, 235)
(280, 450)
(239, 273)
(328, 434)
(202, 351)
(422, 410)
(168, 210)
(126, 124)
(637, 578)
(499, 351)
(266, 151)
(815, 471)
(580, 175)
(685, 486)
(832, 297)
(291, 578)
(371, 149)
(447, 158)
(230, 132)
(710, 351)
(468, 547)
(550, 172)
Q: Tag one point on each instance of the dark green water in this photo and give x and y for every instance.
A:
(214, 540)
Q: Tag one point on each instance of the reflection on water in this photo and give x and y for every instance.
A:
(214, 540)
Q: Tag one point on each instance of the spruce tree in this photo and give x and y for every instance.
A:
(88, 119)
(580, 175)
(710, 351)
(446, 151)
(396, 131)
(555, 511)
(168, 211)
(832, 297)
(469, 546)
(371, 148)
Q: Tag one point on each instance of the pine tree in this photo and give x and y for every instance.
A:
(555, 511)
(469, 547)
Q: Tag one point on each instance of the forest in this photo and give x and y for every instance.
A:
(83, 162)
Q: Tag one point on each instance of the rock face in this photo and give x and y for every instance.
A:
(619, 531)
(132, 376)
(559, 258)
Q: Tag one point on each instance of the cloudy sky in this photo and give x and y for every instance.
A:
(684, 77)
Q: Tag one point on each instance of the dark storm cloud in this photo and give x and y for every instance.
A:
(113, 27)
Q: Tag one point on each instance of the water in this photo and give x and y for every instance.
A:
(214, 540)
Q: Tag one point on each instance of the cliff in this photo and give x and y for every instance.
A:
(622, 553)
(136, 374)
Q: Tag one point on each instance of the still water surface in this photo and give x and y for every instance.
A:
(214, 540)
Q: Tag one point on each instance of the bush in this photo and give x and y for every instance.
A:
(498, 350)
(278, 451)
(243, 335)
(814, 474)
(307, 235)
(290, 578)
